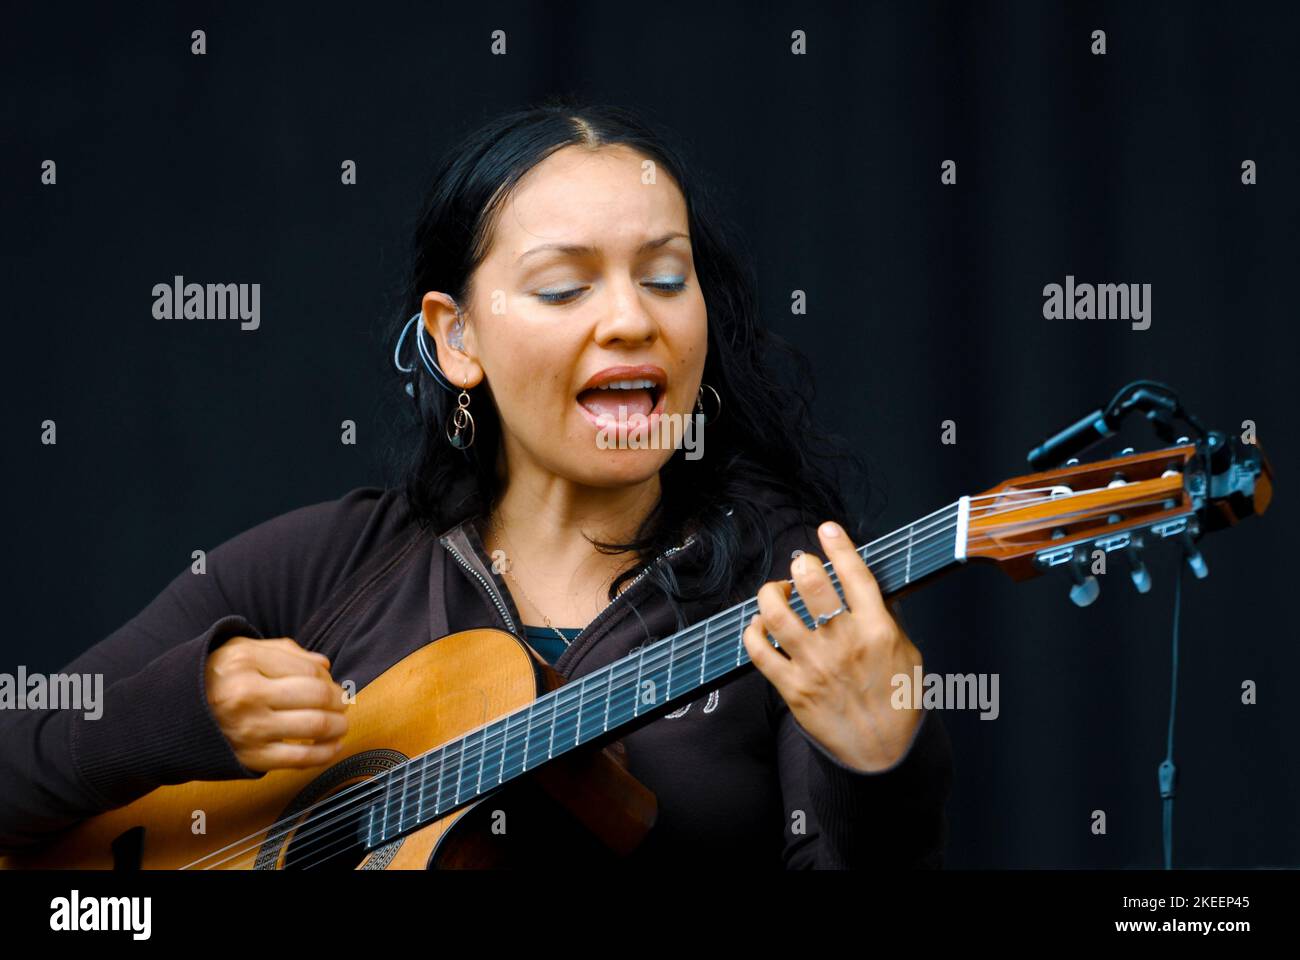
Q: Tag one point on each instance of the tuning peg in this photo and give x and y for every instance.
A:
(1086, 588)
(1193, 556)
(1085, 591)
(1132, 544)
(1138, 572)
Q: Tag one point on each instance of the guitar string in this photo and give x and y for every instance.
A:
(562, 718)
(490, 743)
(408, 792)
(482, 746)
(383, 781)
(481, 751)
(348, 840)
(400, 797)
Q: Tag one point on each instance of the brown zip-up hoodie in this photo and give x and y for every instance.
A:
(739, 782)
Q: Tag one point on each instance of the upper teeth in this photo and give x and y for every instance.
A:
(629, 385)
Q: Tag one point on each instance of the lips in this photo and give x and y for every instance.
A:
(619, 393)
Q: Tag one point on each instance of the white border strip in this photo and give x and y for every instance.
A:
(963, 520)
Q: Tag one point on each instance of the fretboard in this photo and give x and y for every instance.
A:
(641, 684)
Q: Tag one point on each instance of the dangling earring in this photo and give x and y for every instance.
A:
(461, 419)
(699, 403)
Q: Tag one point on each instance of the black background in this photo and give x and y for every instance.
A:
(924, 305)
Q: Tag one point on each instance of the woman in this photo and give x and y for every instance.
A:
(571, 293)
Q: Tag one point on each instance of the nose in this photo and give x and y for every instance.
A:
(627, 321)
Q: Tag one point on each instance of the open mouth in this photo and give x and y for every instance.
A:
(622, 395)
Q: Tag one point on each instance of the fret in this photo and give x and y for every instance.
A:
(636, 693)
(620, 690)
(498, 751)
(704, 650)
(528, 732)
(460, 768)
(436, 770)
(672, 655)
(388, 803)
(577, 733)
(401, 807)
(444, 765)
(609, 690)
(561, 741)
(482, 755)
(411, 797)
(690, 648)
(907, 575)
(747, 611)
(659, 672)
(550, 741)
(507, 749)
(591, 709)
(419, 806)
(744, 619)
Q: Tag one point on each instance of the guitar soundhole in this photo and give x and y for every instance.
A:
(329, 837)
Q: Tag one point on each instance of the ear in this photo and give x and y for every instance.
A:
(446, 329)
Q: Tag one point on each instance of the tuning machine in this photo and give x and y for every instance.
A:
(1192, 553)
(1086, 588)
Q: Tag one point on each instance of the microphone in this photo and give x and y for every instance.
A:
(1075, 438)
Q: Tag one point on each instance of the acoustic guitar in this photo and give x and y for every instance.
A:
(437, 741)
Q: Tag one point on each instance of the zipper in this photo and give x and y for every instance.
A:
(491, 590)
(505, 615)
(633, 582)
(578, 646)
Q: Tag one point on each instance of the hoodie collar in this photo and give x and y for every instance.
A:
(464, 544)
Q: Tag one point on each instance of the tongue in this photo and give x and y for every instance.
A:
(607, 402)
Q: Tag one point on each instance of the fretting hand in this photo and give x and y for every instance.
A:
(837, 679)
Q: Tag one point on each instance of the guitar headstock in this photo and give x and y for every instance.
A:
(1063, 517)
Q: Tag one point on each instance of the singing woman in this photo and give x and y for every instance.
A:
(571, 283)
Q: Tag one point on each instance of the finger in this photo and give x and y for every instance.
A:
(277, 661)
(273, 756)
(319, 725)
(767, 659)
(299, 692)
(814, 585)
(288, 643)
(782, 622)
(856, 580)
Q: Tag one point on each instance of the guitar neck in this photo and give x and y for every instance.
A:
(636, 688)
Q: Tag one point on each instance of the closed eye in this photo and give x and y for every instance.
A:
(670, 286)
(567, 296)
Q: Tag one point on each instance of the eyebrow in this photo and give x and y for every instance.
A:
(575, 250)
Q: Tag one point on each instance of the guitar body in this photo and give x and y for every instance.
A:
(581, 806)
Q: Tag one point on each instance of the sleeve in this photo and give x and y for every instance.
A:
(837, 817)
(151, 724)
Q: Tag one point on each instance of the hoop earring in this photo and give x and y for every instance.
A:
(699, 403)
(461, 419)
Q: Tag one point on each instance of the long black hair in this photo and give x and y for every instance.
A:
(764, 438)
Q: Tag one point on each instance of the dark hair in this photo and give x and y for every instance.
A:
(763, 439)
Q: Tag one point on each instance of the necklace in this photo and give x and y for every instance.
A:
(510, 551)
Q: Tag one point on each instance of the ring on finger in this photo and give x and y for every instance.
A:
(825, 618)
